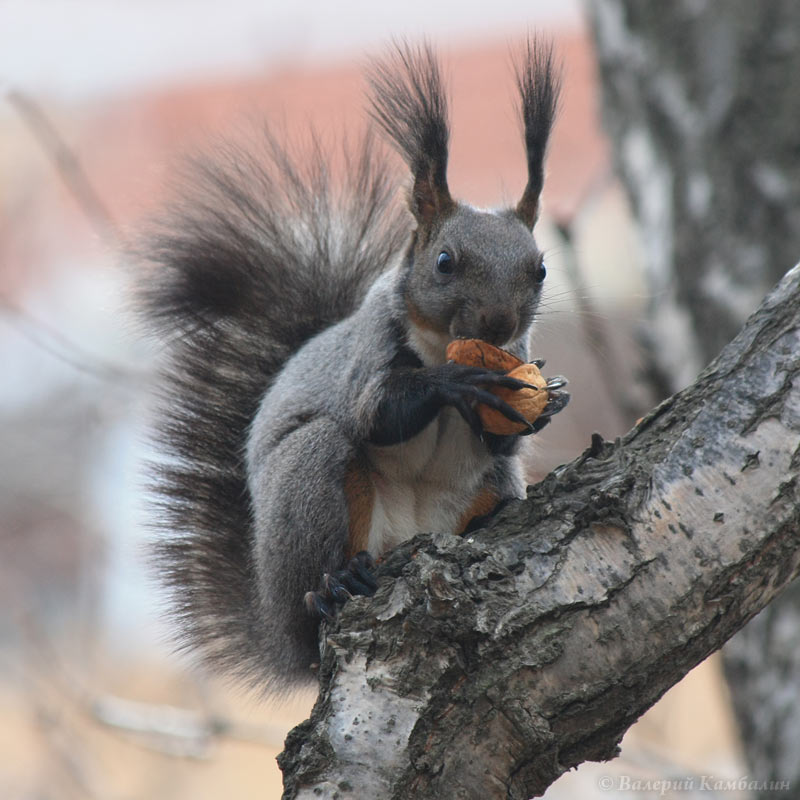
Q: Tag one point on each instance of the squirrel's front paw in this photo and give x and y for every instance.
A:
(355, 579)
(462, 386)
(557, 400)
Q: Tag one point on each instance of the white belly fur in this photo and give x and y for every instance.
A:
(427, 483)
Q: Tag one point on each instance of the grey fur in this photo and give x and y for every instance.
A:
(284, 308)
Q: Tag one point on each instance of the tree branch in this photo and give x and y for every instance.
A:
(488, 666)
(68, 166)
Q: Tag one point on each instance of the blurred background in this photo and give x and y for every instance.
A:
(99, 102)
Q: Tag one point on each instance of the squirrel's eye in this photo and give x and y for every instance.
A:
(540, 273)
(444, 263)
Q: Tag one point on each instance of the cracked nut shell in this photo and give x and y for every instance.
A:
(528, 402)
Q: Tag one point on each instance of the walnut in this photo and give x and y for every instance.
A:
(528, 402)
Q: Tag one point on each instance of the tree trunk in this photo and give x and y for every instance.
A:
(702, 109)
(702, 103)
(486, 667)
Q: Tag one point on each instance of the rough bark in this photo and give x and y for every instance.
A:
(702, 107)
(486, 667)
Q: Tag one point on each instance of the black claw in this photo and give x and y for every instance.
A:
(335, 588)
(540, 422)
(538, 362)
(353, 584)
(514, 383)
(497, 403)
(361, 566)
(499, 379)
(355, 587)
(317, 606)
(556, 382)
(558, 402)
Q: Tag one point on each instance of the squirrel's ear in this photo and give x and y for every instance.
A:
(429, 198)
(539, 82)
(410, 106)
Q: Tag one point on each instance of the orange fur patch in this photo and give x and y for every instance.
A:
(484, 502)
(360, 496)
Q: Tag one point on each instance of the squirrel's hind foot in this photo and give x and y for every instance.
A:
(355, 579)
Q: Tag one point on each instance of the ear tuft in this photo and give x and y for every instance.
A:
(539, 82)
(410, 106)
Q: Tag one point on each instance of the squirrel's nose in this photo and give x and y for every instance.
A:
(497, 325)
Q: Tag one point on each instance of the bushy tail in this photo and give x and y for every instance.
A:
(259, 255)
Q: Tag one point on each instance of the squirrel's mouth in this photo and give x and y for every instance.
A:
(498, 331)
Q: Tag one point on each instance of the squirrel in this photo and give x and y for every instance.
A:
(309, 419)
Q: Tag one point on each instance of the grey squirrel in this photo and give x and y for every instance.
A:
(310, 420)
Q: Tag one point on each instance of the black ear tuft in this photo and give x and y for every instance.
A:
(410, 106)
(539, 82)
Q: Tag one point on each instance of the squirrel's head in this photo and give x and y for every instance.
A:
(478, 274)
(469, 273)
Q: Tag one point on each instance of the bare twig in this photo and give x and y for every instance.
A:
(61, 347)
(68, 166)
(178, 731)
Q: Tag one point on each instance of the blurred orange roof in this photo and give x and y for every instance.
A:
(127, 146)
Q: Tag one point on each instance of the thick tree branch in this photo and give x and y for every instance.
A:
(488, 666)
